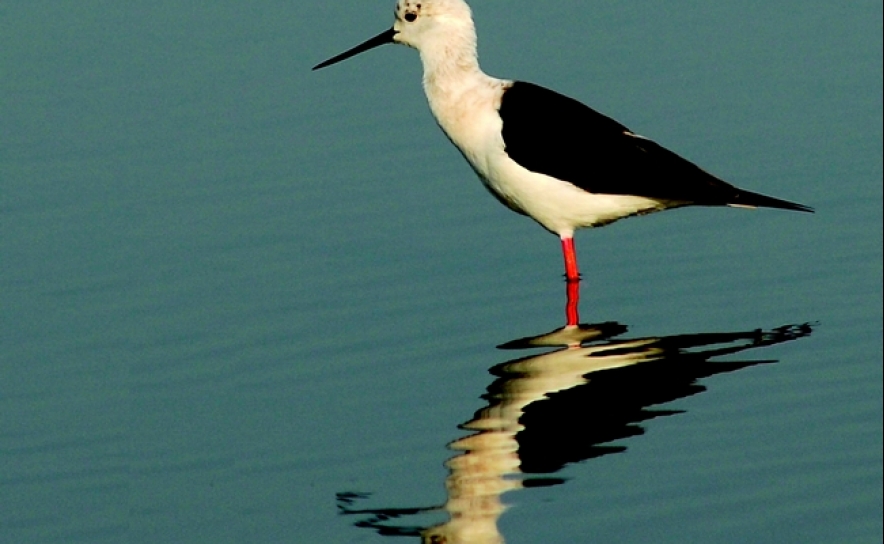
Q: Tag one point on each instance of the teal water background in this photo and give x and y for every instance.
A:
(232, 288)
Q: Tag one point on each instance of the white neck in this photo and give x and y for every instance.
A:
(451, 71)
(450, 63)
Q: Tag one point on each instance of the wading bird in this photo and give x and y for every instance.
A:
(538, 152)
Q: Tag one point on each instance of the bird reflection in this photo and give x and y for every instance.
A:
(570, 404)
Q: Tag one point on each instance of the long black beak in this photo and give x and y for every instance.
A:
(381, 39)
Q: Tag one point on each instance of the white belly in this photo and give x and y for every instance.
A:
(558, 206)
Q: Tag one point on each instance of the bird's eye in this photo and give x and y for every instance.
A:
(410, 17)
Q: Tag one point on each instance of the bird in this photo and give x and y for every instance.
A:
(540, 153)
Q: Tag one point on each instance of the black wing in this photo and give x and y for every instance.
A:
(552, 134)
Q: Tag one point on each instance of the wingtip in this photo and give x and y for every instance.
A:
(749, 199)
(799, 208)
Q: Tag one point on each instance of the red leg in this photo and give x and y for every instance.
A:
(572, 290)
(572, 278)
(571, 272)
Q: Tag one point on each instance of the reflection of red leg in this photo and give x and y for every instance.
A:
(573, 291)
(571, 273)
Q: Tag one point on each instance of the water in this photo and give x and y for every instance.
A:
(241, 300)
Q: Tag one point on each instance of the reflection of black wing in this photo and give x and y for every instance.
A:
(552, 134)
(579, 423)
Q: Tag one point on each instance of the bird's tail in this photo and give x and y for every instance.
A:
(748, 199)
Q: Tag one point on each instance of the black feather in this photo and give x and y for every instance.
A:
(551, 134)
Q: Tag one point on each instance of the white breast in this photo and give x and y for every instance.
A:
(467, 110)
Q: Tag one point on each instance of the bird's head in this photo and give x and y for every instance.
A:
(424, 22)
(421, 24)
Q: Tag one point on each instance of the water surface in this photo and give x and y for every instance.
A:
(241, 299)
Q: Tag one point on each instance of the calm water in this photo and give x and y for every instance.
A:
(246, 302)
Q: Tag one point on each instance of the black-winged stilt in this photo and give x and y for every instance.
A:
(540, 153)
